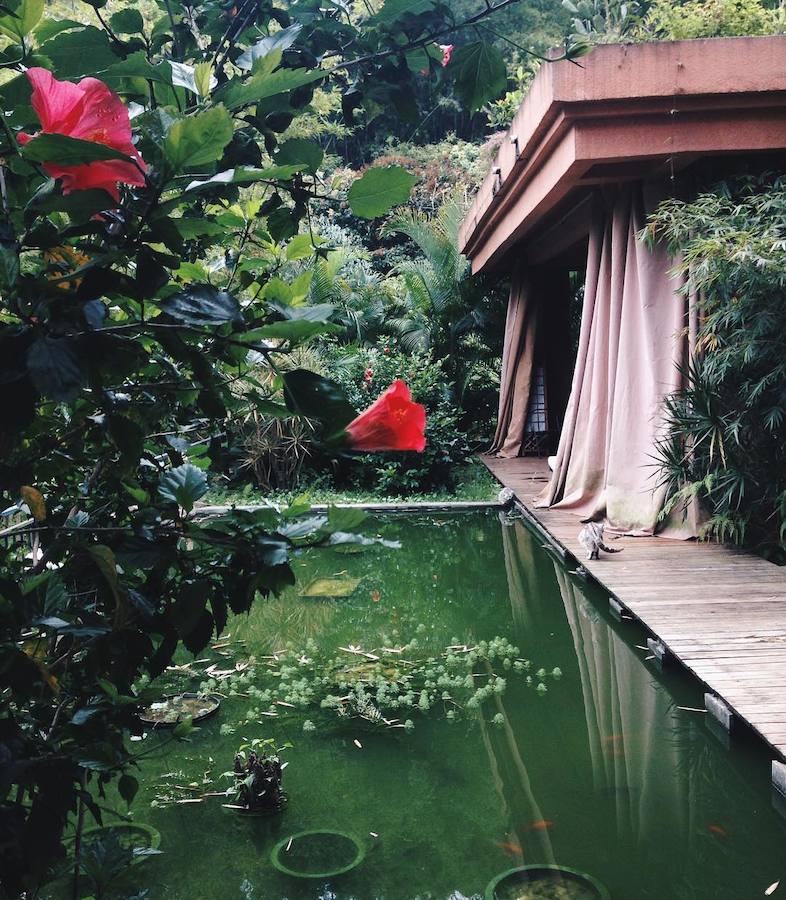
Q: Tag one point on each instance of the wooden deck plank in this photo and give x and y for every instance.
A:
(720, 610)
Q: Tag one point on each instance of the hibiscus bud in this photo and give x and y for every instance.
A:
(447, 52)
(392, 422)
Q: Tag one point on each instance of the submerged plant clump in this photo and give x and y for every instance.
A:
(380, 687)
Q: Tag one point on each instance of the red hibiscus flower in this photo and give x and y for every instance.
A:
(89, 111)
(392, 422)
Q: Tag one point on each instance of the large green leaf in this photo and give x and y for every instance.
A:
(260, 85)
(27, 14)
(379, 190)
(79, 52)
(199, 139)
(127, 21)
(79, 205)
(55, 368)
(480, 73)
(68, 151)
(185, 613)
(183, 485)
(136, 65)
(202, 304)
(300, 152)
(281, 40)
(242, 175)
(50, 27)
(316, 397)
(302, 246)
(9, 268)
(127, 787)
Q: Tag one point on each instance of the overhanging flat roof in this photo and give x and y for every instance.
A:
(628, 111)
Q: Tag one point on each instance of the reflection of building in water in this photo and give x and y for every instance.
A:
(633, 728)
(628, 764)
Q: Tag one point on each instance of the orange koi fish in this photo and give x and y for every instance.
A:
(718, 830)
(540, 825)
(510, 847)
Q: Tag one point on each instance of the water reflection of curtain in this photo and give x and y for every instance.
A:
(632, 727)
(640, 753)
(530, 582)
(633, 341)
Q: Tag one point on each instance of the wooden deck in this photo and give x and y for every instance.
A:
(719, 610)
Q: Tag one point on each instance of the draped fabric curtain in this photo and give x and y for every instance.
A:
(632, 347)
(518, 363)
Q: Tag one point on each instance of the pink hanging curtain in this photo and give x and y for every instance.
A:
(518, 360)
(633, 341)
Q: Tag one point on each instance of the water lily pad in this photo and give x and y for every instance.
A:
(330, 587)
(169, 711)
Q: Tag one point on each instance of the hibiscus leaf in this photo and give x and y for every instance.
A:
(50, 27)
(480, 73)
(26, 16)
(127, 786)
(55, 368)
(261, 84)
(316, 397)
(183, 76)
(300, 152)
(127, 21)
(68, 151)
(202, 304)
(80, 205)
(281, 40)
(136, 65)
(83, 51)
(198, 140)
(379, 190)
(183, 485)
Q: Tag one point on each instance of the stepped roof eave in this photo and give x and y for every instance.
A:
(625, 111)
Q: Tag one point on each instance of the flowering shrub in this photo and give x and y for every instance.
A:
(447, 448)
(146, 198)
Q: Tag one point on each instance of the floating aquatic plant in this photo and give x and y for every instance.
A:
(376, 687)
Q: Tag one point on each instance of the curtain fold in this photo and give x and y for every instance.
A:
(632, 346)
(518, 363)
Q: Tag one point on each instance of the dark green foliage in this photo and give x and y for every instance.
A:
(727, 431)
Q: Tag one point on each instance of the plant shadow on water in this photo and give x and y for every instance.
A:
(600, 771)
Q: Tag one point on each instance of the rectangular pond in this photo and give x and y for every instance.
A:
(506, 762)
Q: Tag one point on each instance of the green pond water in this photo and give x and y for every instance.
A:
(602, 772)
